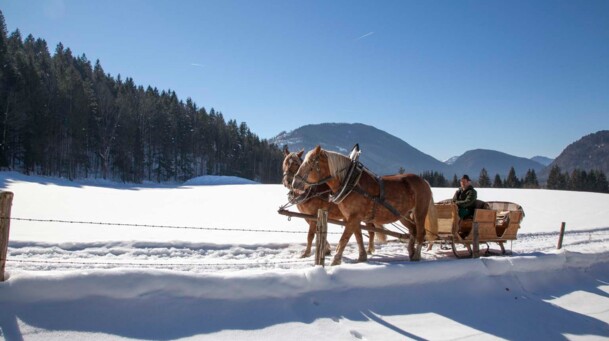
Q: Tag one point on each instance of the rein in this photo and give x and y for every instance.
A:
(317, 183)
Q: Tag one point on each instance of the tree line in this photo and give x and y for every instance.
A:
(63, 116)
(577, 180)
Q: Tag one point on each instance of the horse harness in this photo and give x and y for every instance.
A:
(351, 184)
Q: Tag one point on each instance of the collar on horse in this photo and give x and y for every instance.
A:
(354, 173)
(351, 184)
(356, 169)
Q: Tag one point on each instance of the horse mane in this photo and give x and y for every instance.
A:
(338, 165)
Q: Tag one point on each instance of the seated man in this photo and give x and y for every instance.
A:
(465, 198)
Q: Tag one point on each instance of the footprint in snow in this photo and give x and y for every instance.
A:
(357, 334)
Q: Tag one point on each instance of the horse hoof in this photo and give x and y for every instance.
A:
(305, 254)
(328, 252)
(362, 258)
(370, 252)
(336, 262)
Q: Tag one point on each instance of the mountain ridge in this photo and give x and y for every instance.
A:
(591, 152)
(384, 153)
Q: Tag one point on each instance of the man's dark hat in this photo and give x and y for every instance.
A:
(466, 177)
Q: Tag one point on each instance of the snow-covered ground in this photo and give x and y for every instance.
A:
(99, 260)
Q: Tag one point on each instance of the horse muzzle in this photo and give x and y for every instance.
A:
(298, 184)
(287, 181)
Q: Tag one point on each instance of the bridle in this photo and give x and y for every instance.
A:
(288, 176)
(315, 162)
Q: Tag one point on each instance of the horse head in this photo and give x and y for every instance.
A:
(313, 171)
(291, 163)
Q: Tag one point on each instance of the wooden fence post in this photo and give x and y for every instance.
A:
(476, 241)
(322, 233)
(6, 201)
(561, 235)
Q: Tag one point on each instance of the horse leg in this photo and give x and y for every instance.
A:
(411, 247)
(413, 234)
(363, 256)
(420, 236)
(328, 249)
(371, 235)
(342, 243)
(310, 237)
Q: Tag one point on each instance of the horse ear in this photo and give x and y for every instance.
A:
(317, 149)
(300, 153)
(286, 152)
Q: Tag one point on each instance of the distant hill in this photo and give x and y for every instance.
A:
(591, 152)
(546, 161)
(451, 160)
(381, 152)
(385, 154)
(494, 162)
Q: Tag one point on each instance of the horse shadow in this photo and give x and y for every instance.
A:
(505, 307)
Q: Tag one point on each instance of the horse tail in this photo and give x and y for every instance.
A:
(431, 220)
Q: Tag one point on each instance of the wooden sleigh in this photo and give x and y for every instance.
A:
(495, 222)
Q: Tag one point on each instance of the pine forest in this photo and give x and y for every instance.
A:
(63, 116)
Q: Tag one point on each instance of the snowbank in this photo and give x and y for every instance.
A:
(229, 268)
(129, 283)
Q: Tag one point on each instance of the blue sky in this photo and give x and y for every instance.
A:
(523, 77)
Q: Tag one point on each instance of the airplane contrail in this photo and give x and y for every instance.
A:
(365, 35)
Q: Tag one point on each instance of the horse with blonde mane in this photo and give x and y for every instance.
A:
(308, 202)
(377, 200)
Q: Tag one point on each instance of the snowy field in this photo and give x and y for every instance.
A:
(98, 260)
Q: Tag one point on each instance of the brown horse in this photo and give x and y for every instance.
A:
(310, 201)
(404, 197)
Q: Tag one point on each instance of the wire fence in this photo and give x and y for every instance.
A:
(99, 223)
(582, 236)
(157, 265)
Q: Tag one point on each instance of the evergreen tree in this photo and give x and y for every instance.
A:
(577, 180)
(455, 182)
(434, 178)
(6, 83)
(530, 180)
(602, 184)
(556, 180)
(512, 180)
(484, 180)
(497, 183)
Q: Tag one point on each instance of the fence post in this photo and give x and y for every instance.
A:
(6, 201)
(561, 235)
(476, 241)
(322, 233)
